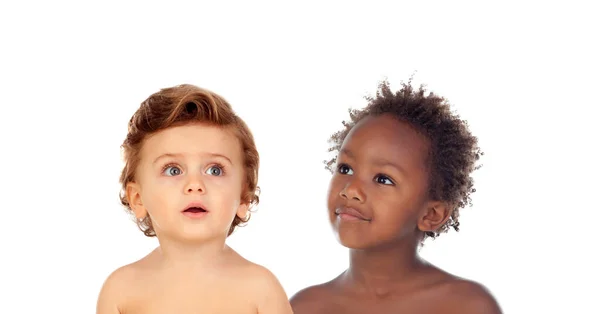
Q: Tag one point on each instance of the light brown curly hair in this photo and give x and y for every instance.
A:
(180, 105)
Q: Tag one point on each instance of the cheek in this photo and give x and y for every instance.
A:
(163, 185)
(163, 192)
(229, 189)
(397, 211)
(333, 191)
(154, 199)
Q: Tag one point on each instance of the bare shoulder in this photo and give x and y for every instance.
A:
(114, 290)
(251, 274)
(266, 289)
(117, 287)
(311, 299)
(261, 277)
(466, 296)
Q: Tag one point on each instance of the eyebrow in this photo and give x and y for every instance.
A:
(380, 162)
(386, 163)
(346, 152)
(169, 155)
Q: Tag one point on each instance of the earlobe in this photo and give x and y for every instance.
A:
(242, 211)
(434, 216)
(135, 200)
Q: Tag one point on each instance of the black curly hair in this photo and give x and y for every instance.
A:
(453, 153)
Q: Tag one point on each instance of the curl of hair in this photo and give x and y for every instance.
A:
(180, 105)
(453, 151)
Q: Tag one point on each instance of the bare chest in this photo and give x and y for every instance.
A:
(188, 298)
(416, 304)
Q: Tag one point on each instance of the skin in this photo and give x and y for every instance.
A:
(379, 208)
(192, 270)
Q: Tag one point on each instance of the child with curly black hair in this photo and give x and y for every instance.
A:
(401, 174)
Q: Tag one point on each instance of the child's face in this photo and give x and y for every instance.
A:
(192, 165)
(379, 187)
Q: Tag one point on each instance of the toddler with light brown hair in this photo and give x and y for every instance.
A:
(190, 178)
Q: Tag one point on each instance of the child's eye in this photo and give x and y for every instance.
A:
(172, 171)
(383, 179)
(214, 171)
(345, 169)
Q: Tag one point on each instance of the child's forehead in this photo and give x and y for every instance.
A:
(385, 137)
(192, 140)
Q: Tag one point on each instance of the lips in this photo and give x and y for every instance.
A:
(195, 208)
(350, 213)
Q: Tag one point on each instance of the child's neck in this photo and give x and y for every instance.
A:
(176, 254)
(382, 270)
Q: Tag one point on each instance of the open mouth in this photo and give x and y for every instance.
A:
(195, 210)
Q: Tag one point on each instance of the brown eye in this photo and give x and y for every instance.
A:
(383, 179)
(344, 169)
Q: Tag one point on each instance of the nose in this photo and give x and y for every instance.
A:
(194, 185)
(353, 191)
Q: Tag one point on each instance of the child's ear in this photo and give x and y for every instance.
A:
(135, 200)
(242, 211)
(434, 216)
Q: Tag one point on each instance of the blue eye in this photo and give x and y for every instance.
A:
(214, 171)
(345, 169)
(382, 179)
(172, 171)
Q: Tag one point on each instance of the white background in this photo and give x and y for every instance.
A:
(524, 74)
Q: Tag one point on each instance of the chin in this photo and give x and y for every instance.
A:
(353, 245)
(353, 240)
(197, 234)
